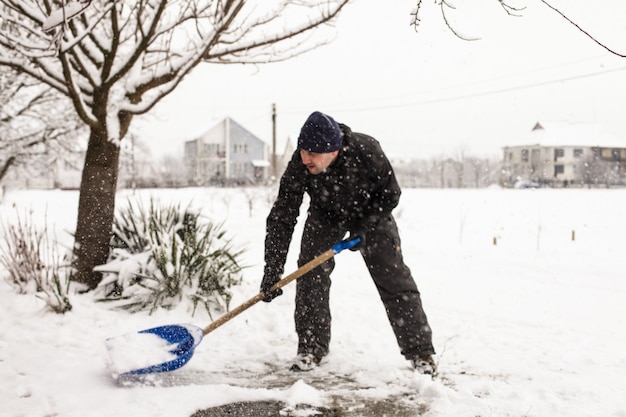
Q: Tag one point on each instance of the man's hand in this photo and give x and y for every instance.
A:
(266, 285)
(360, 233)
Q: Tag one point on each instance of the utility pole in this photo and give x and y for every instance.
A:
(274, 167)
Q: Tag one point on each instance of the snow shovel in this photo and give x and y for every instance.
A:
(166, 348)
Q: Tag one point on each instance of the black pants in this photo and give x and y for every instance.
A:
(397, 289)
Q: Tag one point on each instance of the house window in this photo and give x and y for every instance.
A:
(615, 154)
(578, 153)
(559, 153)
(524, 155)
(558, 169)
(534, 155)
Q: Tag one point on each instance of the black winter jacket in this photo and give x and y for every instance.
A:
(356, 191)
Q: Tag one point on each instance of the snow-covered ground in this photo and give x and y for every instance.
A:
(525, 291)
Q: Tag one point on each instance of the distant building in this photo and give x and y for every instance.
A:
(563, 154)
(47, 174)
(227, 153)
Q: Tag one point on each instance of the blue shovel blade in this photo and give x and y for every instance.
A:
(181, 342)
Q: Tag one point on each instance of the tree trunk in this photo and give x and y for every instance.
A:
(96, 207)
(6, 166)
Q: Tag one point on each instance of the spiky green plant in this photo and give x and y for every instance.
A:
(164, 254)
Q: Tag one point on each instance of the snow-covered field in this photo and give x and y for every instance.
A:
(525, 291)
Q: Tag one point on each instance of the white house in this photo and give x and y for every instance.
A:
(226, 153)
(566, 154)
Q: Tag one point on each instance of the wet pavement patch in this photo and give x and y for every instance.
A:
(264, 409)
(388, 408)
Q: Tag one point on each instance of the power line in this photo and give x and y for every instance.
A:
(484, 93)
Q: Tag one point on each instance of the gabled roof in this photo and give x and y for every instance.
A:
(215, 132)
(553, 134)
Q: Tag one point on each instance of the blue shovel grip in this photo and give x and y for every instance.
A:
(345, 244)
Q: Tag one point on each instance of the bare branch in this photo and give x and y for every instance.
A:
(511, 11)
(443, 5)
(583, 31)
(415, 15)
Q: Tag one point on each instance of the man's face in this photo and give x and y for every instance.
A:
(317, 163)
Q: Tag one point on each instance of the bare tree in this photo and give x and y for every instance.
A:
(457, 163)
(510, 9)
(117, 59)
(35, 124)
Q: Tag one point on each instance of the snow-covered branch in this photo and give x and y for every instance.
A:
(35, 122)
(116, 59)
(147, 47)
(63, 14)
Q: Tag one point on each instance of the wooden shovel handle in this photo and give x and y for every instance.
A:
(293, 276)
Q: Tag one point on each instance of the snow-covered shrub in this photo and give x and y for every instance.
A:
(33, 263)
(162, 255)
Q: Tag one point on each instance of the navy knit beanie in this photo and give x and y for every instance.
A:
(320, 134)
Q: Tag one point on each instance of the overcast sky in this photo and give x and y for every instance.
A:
(424, 94)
